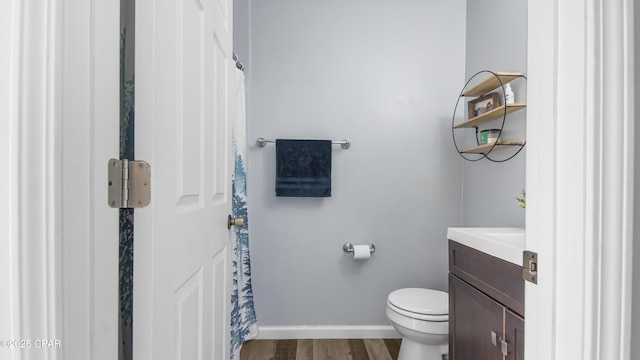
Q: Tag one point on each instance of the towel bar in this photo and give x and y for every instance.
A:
(345, 144)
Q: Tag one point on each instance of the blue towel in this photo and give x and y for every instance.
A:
(303, 168)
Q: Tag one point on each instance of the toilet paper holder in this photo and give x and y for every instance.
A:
(348, 248)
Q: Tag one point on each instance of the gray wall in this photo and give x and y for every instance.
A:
(384, 74)
(241, 31)
(496, 40)
(242, 44)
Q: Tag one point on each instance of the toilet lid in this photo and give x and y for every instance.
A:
(421, 301)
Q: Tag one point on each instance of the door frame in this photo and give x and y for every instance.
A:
(60, 99)
(587, 41)
(580, 143)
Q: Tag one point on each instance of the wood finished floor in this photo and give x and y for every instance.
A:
(321, 349)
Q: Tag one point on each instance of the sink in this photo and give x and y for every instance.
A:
(504, 243)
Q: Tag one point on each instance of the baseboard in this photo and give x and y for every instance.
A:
(327, 332)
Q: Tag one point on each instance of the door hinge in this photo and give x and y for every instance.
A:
(530, 266)
(129, 184)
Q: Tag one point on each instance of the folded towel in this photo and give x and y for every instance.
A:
(303, 168)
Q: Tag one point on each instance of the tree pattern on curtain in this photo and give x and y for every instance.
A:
(243, 317)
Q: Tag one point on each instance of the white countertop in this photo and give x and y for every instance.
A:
(504, 243)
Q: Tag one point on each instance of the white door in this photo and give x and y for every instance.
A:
(183, 130)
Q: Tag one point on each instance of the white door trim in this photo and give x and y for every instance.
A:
(7, 178)
(60, 88)
(34, 226)
(31, 216)
(580, 178)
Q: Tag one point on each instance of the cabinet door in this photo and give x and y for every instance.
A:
(473, 316)
(514, 326)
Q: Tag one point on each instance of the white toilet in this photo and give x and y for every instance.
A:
(421, 316)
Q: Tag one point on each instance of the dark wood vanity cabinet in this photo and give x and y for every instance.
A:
(486, 306)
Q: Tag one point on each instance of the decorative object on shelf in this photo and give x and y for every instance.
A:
(509, 96)
(486, 107)
(483, 105)
(522, 202)
(489, 136)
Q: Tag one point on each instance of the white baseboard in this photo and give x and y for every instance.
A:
(327, 332)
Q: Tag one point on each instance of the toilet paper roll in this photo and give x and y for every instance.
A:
(361, 252)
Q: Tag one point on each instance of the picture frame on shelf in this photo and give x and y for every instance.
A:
(483, 104)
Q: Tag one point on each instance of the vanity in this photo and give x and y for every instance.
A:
(486, 293)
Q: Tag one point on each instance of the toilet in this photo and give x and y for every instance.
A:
(421, 316)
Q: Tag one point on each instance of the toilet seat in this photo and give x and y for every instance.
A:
(421, 304)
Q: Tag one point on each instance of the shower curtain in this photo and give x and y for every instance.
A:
(243, 317)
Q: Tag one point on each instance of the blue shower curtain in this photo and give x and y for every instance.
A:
(243, 317)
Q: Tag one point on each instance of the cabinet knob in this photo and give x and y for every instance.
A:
(505, 348)
(495, 338)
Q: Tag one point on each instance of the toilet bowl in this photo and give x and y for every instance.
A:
(421, 317)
